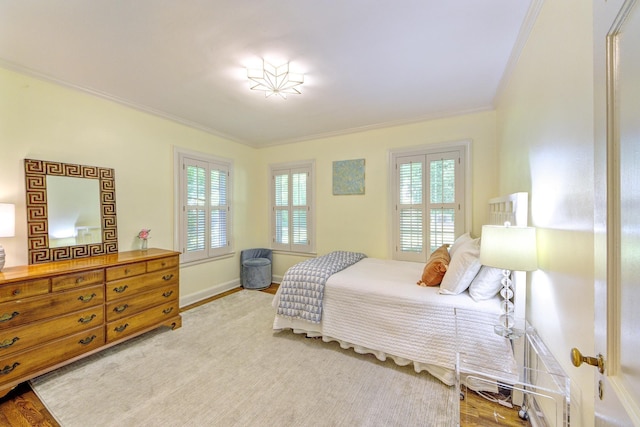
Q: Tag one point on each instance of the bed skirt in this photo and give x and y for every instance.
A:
(447, 376)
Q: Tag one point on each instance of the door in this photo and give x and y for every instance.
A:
(617, 213)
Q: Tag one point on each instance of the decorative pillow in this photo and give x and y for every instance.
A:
(486, 284)
(461, 240)
(464, 265)
(436, 267)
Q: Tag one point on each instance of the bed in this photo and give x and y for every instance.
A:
(374, 306)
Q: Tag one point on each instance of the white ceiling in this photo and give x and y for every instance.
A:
(367, 63)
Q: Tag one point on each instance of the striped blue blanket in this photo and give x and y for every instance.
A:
(302, 287)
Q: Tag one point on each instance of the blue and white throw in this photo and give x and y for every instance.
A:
(302, 287)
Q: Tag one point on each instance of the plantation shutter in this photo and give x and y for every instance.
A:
(196, 207)
(299, 207)
(442, 204)
(206, 209)
(429, 190)
(281, 209)
(410, 206)
(219, 209)
(291, 209)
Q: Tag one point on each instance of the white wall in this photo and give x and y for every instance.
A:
(546, 146)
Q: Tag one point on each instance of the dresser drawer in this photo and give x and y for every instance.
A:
(139, 302)
(76, 280)
(25, 363)
(162, 264)
(123, 271)
(143, 320)
(41, 307)
(126, 287)
(16, 339)
(29, 288)
(55, 312)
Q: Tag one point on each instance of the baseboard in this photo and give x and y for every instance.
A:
(186, 300)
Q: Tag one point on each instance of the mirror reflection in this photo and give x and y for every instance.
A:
(73, 206)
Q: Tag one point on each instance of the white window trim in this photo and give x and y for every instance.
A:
(464, 146)
(179, 154)
(311, 219)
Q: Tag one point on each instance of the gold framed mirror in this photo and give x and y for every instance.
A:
(71, 211)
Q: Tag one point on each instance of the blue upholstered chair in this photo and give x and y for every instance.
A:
(255, 268)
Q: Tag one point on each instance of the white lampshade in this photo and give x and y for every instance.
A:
(7, 220)
(509, 248)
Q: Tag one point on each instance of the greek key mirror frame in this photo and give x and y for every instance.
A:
(36, 172)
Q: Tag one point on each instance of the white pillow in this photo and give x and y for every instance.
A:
(463, 267)
(461, 240)
(486, 284)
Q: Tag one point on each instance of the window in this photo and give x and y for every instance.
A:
(428, 189)
(292, 207)
(204, 225)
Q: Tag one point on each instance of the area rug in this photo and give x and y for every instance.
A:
(227, 367)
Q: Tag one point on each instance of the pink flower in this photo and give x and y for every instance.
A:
(144, 233)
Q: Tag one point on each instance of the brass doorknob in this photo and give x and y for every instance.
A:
(578, 359)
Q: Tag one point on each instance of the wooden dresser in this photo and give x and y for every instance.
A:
(54, 313)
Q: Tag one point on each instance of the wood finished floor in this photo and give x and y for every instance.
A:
(22, 408)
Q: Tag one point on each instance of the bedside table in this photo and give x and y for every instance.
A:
(532, 384)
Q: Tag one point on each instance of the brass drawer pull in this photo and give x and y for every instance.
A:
(167, 294)
(8, 369)
(167, 277)
(121, 308)
(6, 317)
(168, 310)
(86, 298)
(8, 343)
(120, 289)
(16, 292)
(87, 340)
(121, 327)
(79, 280)
(87, 319)
(127, 271)
(164, 264)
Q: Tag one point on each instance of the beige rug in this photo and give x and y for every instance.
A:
(226, 367)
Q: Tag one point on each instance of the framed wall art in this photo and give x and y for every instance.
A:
(348, 177)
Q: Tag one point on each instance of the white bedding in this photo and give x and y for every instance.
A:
(375, 306)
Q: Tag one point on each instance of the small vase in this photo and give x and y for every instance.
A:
(143, 244)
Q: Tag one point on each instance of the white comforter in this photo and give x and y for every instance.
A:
(376, 307)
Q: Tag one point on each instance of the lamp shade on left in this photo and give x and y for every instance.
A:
(7, 220)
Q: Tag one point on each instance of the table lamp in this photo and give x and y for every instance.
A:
(7, 225)
(508, 248)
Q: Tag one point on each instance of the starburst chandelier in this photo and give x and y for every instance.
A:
(275, 80)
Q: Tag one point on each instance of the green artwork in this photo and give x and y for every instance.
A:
(348, 177)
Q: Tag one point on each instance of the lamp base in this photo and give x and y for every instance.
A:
(511, 333)
(1, 257)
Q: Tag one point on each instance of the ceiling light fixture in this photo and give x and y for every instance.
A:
(275, 80)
